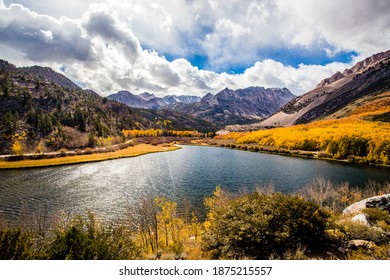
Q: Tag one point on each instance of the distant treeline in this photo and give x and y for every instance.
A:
(135, 133)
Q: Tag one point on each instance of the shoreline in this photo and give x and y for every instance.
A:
(284, 152)
(132, 151)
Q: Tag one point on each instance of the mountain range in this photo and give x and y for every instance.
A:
(226, 107)
(150, 101)
(237, 106)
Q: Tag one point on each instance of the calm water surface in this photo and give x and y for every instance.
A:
(109, 188)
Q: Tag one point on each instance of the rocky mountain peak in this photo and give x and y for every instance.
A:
(367, 63)
(334, 78)
(150, 101)
(207, 97)
(147, 96)
(358, 68)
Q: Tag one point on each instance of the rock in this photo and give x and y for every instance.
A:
(355, 208)
(357, 243)
(337, 76)
(361, 219)
(380, 202)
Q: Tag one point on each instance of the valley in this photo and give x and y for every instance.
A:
(173, 205)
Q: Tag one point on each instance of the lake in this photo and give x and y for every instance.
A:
(110, 188)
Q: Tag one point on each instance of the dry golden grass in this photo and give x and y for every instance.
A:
(365, 107)
(373, 106)
(134, 151)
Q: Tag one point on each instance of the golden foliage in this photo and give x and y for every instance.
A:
(338, 138)
(219, 198)
(135, 133)
(108, 141)
(162, 231)
(373, 105)
(17, 148)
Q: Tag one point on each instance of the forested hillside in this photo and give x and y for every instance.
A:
(41, 108)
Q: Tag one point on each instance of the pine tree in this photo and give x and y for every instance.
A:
(9, 123)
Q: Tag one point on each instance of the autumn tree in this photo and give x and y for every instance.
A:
(41, 147)
(17, 147)
(145, 220)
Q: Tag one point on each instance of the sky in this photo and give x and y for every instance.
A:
(193, 47)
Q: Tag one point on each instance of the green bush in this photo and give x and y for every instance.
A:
(14, 244)
(85, 239)
(355, 230)
(261, 225)
(375, 215)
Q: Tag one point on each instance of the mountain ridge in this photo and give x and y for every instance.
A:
(368, 77)
(226, 107)
(150, 101)
(239, 106)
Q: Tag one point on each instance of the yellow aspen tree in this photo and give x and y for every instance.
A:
(17, 147)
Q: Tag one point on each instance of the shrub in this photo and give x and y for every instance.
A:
(297, 254)
(375, 215)
(14, 244)
(334, 197)
(85, 239)
(262, 225)
(355, 230)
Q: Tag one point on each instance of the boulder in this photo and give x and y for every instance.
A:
(361, 219)
(355, 208)
(357, 243)
(381, 202)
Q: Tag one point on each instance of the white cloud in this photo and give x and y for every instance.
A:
(29, 33)
(100, 22)
(70, 8)
(47, 34)
(361, 26)
(110, 46)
